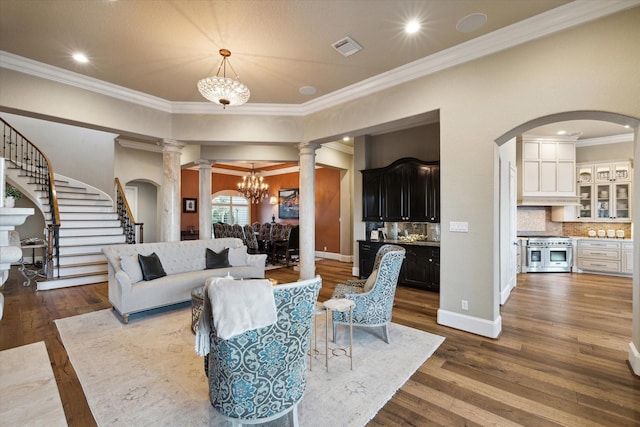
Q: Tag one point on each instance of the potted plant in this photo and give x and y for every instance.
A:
(11, 194)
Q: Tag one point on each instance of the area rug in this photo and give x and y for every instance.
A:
(147, 372)
(28, 391)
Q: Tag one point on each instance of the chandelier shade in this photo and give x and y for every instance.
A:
(224, 90)
(253, 187)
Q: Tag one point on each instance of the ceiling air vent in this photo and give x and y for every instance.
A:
(347, 46)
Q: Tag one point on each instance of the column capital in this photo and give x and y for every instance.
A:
(172, 146)
(204, 163)
(308, 147)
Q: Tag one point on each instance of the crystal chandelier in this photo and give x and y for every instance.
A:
(224, 90)
(252, 187)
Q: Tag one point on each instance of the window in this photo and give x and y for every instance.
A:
(229, 207)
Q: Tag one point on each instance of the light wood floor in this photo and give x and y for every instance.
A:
(561, 359)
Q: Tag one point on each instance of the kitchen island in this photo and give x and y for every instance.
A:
(421, 265)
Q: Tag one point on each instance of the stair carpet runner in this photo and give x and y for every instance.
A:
(88, 222)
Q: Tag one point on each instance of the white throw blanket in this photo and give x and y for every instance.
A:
(236, 306)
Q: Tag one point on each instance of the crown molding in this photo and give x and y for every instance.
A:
(613, 139)
(566, 16)
(135, 145)
(338, 147)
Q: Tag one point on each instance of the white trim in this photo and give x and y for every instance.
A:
(334, 256)
(613, 139)
(506, 293)
(155, 148)
(475, 325)
(634, 358)
(339, 147)
(567, 16)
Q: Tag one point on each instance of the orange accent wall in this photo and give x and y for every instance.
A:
(327, 201)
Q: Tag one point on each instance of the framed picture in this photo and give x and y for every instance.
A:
(288, 203)
(189, 205)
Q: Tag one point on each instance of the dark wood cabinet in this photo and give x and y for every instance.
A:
(406, 190)
(420, 268)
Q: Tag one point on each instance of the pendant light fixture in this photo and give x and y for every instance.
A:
(224, 90)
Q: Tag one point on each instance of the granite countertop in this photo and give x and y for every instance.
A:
(606, 239)
(407, 243)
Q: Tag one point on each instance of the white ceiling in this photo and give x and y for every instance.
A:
(163, 47)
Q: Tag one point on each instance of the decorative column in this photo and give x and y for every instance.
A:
(170, 215)
(307, 209)
(204, 215)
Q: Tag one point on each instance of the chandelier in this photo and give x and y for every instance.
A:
(224, 90)
(252, 187)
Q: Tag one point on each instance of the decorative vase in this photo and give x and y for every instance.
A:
(9, 202)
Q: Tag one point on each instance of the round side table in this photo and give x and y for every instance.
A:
(341, 305)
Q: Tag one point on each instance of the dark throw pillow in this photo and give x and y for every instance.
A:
(151, 266)
(217, 260)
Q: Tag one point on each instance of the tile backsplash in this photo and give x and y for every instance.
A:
(536, 221)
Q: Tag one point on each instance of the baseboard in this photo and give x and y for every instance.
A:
(475, 325)
(634, 358)
(331, 255)
(505, 294)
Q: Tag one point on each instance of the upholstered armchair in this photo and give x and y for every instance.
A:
(250, 239)
(373, 296)
(260, 375)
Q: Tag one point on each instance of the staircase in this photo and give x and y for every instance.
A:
(88, 222)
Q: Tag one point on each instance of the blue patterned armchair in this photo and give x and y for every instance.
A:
(373, 296)
(260, 375)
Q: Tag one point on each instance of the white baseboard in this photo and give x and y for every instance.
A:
(475, 325)
(331, 255)
(505, 294)
(634, 358)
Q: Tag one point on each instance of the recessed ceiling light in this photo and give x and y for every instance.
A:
(412, 27)
(307, 90)
(80, 57)
(345, 138)
(471, 22)
(561, 132)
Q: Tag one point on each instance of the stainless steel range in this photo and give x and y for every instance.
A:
(550, 254)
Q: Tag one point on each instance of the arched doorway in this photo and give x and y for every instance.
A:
(633, 125)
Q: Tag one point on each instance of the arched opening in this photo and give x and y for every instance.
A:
(229, 207)
(142, 197)
(506, 237)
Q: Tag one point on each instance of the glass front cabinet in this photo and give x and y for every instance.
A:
(604, 191)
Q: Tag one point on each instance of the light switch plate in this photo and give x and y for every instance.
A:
(459, 227)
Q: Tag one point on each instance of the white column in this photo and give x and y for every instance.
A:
(307, 209)
(170, 214)
(204, 214)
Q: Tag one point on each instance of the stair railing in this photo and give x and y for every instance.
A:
(24, 155)
(125, 216)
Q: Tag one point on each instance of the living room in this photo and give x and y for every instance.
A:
(478, 101)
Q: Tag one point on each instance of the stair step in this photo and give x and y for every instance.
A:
(81, 250)
(76, 195)
(89, 224)
(91, 240)
(72, 281)
(92, 216)
(84, 202)
(76, 232)
(80, 269)
(84, 209)
(72, 260)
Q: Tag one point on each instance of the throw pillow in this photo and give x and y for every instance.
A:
(151, 266)
(238, 256)
(217, 260)
(131, 266)
(371, 280)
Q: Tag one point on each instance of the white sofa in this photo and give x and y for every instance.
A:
(184, 263)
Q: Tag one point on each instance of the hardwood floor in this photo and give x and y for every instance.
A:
(561, 359)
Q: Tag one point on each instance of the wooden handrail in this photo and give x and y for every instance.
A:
(126, 218)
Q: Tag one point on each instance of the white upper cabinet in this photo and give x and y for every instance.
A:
(548, 168)
(604, 190)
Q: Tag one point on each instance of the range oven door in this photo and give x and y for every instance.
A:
(559, 258)
(535, 258)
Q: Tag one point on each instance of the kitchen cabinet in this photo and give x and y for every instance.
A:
(604, 192)
(627, 258)
(605, 256)
(547, 170)
(420, 268)
(406, 190)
